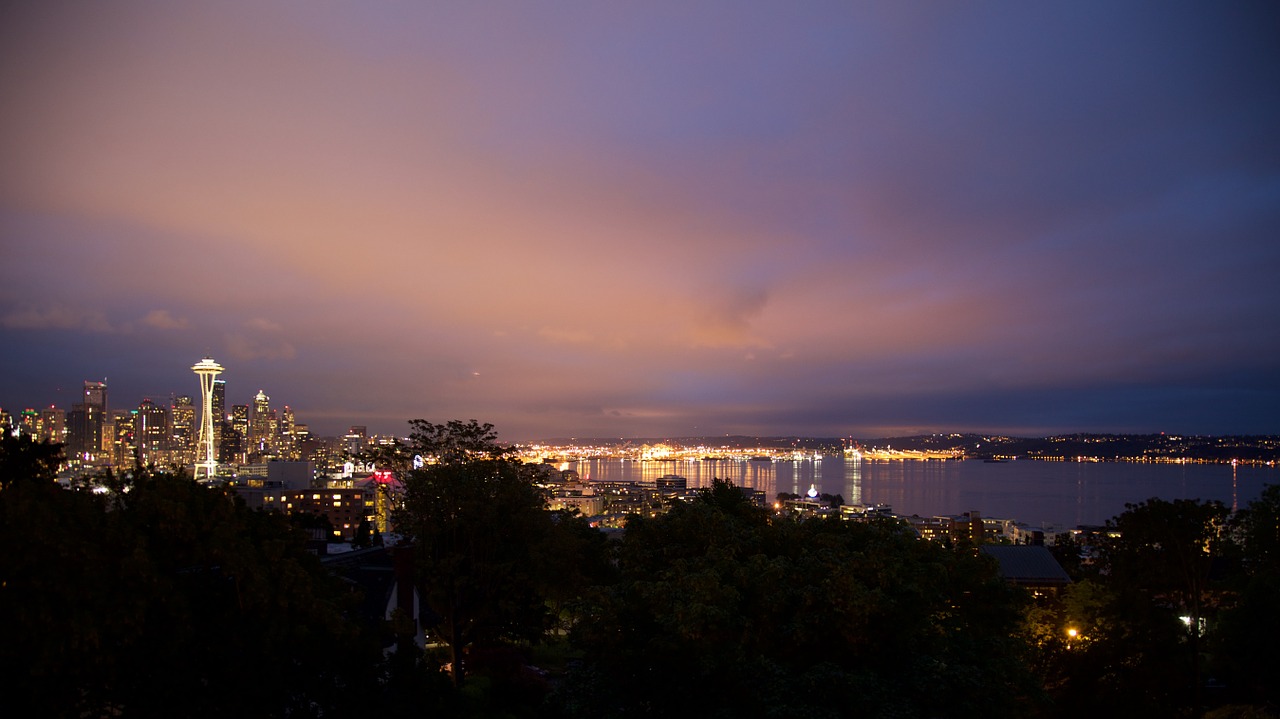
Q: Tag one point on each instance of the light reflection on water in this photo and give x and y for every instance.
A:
(1064, 494)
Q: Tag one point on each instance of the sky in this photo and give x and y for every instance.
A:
(642, 219)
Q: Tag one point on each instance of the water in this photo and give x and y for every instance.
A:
(1053, 494)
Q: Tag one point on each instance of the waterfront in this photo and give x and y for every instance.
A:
(1054, 494)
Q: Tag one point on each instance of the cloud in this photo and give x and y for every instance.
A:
(557, 335)
(728, 320)
(682, 222)
(56, 317)
(67, 317)
(245, 348)
(262, 324)
(256, 341)
(164, 320)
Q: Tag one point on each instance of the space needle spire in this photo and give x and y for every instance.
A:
(206, 462)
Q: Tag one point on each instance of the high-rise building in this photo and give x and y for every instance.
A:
(206, 461)
(220, 416)
(86, 440)
(151, 431)
(120, 432)
(260, 431)
(183, 432)
(356, 438)
(29, 423)
(53, 425)
(96, 393)
(220, 398)
(235, 437)
(288, 437)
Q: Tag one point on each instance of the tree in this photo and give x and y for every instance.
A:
(1258, 529)
(457, 442)
(1244, 643)
(364, 535)
(1067, 549)
(1167, 548)
(1160, 556)
(478, 522)
(451, 443)
(721, 610)
(154, 601)
(22, 459)
(1079, 654)
(1141, 613)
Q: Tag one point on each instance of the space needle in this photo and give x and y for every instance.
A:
(206, 462)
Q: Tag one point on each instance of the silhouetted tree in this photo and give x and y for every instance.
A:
(1066, 548)
(1163, 556)
(23, 459)
(482, 535)
(1133, 653)
(363, 536)
(1243, 643)
(168, 598)
(720, 610)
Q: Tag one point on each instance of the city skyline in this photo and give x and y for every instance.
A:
(94, 394)
(651, 220)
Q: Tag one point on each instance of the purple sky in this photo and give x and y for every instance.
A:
(650, 218)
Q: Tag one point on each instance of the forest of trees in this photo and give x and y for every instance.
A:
(163, 597)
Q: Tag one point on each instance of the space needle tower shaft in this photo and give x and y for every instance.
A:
(206, 462)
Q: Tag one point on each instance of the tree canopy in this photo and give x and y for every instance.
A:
(168, 598)
(22, 459)
(721, 611)
(491, 558)
(1173, 612)
(163, 597)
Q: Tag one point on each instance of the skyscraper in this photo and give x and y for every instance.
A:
(120, 432)
(287, 443)
(183, 440)
(151, 431)
(53, 425)
(85, 440)
(235, 435)
(206, 462)
(260, 431)
(95, 393)
(28, 423)
(220, 423)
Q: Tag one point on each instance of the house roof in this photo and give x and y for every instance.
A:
(1027, 565)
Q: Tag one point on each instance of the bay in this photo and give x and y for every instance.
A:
(1057, 495)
